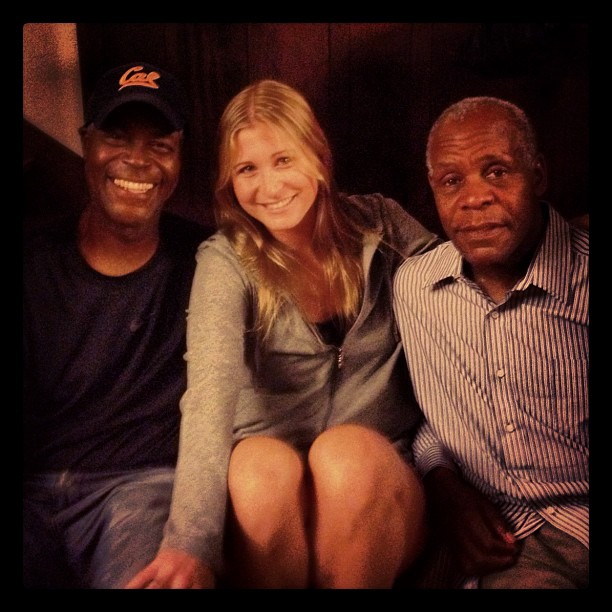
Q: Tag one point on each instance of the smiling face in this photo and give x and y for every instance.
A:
(132, 165)
(486, 190)
(272, 181)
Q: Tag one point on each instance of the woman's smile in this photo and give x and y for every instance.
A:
(272, 181)
(278, 205)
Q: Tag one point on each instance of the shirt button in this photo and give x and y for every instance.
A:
(495, 314)
(551, 510)
(509, 427)
(500, 373)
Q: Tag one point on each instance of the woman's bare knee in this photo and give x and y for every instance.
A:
(351, 456)
(268, 546)
(263, 472)
(370, 508)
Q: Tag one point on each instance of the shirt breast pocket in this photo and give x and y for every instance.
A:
(554, 392)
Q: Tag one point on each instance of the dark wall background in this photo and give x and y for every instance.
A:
(376, 88)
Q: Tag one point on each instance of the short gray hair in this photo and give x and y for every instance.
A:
(525, 133)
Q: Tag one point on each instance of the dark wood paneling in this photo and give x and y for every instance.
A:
(295, 53)
(376, 88)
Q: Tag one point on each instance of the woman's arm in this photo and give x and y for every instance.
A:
(216, 374)
(396, 227)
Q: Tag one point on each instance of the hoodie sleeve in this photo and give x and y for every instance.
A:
(216, 375)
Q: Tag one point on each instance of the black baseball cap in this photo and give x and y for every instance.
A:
(138, 82)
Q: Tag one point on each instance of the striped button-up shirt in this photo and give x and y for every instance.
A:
(504, 387)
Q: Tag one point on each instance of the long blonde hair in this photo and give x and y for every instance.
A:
(337, 240)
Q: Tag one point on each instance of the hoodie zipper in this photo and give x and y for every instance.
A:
(340, 358)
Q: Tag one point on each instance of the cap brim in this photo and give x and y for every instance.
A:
(142, 97)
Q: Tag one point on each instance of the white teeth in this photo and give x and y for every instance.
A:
(277, 205)
(132, 186)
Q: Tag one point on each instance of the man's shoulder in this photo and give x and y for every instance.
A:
(420, 272)
(423, 261)
(183, 232)
(53, 232)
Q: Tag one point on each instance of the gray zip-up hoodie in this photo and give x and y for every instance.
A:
(293, 387)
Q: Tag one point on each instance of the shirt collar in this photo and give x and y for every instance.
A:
(549, 268)
(551, 265)
(447, 264)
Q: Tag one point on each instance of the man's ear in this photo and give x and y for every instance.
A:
(540, 176)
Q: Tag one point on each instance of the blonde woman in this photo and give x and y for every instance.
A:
(298, 418)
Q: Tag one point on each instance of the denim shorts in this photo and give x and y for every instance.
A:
(92, 530)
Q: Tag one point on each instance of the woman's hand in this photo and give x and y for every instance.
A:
(174, 569)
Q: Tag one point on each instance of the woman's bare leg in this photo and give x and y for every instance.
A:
(267, 492)
(369, 510)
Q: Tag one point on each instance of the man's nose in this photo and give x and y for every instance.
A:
(137, 153)
(476, 192)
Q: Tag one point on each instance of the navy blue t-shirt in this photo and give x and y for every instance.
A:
(104, 366)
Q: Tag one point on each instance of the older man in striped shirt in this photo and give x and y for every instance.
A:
(495, 328)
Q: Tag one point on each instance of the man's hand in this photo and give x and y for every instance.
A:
(173, 569)
(473, 527)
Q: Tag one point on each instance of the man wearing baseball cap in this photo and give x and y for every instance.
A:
(138, 82)
(105, 298)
